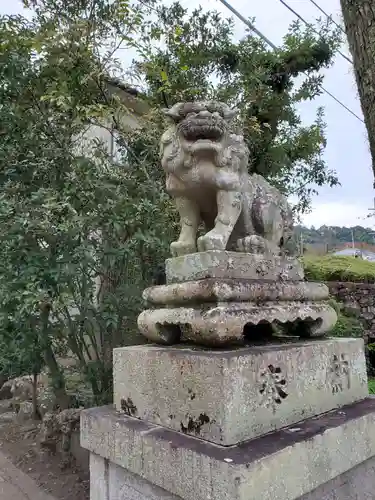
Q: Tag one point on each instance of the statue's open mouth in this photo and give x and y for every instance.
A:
(203, 133)
(202, 130)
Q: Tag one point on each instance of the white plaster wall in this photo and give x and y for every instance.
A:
(87, 142)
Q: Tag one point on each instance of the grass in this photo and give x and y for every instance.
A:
(337, 268)
(371, 386)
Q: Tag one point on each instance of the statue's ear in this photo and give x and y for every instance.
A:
(166, 113)
(174, 112)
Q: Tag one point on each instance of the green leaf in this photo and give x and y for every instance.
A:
(164, 76)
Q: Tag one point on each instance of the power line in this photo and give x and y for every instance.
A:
(248, 23)
(274, 47)
(148, 6)
(329, 16)
(341, 104)
(311, 27)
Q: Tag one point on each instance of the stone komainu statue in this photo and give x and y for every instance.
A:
(233, 284)
(207, 174)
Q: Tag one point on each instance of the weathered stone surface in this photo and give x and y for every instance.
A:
(211, 290)
(123, 485)
(99, 484)
(283, 465)
(6, 392)
(46, 400)
(6, 406)
(356, 484)
(206, 166)
(230, 396)
(109, 481)
(234, 265)
(21, 388)
(58, 431)
(25, 411)
(226, 323)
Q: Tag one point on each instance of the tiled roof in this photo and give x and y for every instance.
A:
(123, 86)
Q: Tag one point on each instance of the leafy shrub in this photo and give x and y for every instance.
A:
(370, 359)
(336, 305)
(347, 326)
(337, 268)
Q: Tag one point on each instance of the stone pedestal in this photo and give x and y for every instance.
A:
(276, 413)
(285, 421)
(314, 460)
(230, 396)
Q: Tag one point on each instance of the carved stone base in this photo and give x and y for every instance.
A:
(215, 325)
(212, 290)
(229, 396)
(215, 312)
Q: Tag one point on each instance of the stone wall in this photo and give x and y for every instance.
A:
(358, 299)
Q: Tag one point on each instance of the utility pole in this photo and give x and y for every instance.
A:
(372, 209)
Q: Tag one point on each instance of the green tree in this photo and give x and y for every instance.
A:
(194, 57)
(21, 352)
(335, 236)
(70, 217)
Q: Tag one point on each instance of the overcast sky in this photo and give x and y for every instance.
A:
(347, 149)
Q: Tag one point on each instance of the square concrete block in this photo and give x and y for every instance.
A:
(99, 468)
(230, 396)
(283, 465)
(124, 485)
(222, 264)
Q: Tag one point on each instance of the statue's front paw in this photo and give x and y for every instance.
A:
(182, 248)
(211, 241)
(251, 244)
